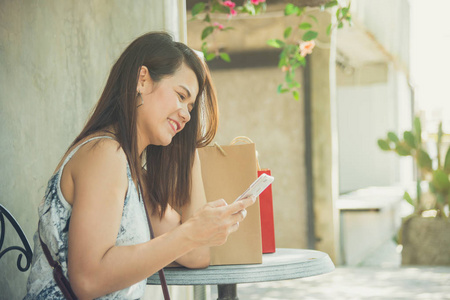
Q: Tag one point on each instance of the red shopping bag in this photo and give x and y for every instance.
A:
(266, 212)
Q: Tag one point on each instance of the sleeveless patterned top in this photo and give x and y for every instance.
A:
(54, 214)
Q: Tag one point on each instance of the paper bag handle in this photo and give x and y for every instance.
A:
(246, 140)
(241, 138)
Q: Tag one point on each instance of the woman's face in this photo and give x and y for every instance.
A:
(166, 107)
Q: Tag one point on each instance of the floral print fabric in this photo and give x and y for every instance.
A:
(54, 215)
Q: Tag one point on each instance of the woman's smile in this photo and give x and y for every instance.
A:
(175, 125)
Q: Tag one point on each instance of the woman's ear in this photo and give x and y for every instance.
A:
(144, 79)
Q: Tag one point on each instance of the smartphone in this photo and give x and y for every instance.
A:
(257, 187)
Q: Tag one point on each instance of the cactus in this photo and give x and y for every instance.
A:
(411, 145)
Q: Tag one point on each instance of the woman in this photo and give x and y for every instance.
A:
(157, 107)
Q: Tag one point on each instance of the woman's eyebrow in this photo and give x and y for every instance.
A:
(186, 89)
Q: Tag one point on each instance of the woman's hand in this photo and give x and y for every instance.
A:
(211, 225)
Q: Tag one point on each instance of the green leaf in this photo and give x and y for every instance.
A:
(224, 56)
(205, 48)
(440, 181)
(290, 9)
(314, 18)
(345, 11)
(305, 26)
(310, 35)
(289, 77)
(418, 130)
(210, 56)
(280, 86)
(296, 95)
(275, 43)
(300, 10)
(440, 198)
(424, 160)
(294, 84)
(384, 145)
(392, 137)
(287, 32)
(409, 138)
(198, 8)
(300, 59)
(282, 58)
(280, 89)
(349, 20)
(447, 162)
(250, 8)
(207, 31)
(207, 18)
(402, 149)
(220, 8)
(296, 64)
(329, 29)
(331, 4)
(408, 198)
(340, 25)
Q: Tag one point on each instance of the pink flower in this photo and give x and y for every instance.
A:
(255, 2)
(285, 68)
(306, 48)
(262, 1)
(230, 4)
(218, 25)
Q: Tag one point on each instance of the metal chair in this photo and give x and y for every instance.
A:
(24, 251)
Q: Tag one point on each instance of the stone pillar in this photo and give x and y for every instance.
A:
(324, 139)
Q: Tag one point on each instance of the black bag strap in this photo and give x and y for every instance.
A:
(58, 274)
(162, 277)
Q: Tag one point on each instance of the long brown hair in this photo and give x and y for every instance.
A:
(167, 170)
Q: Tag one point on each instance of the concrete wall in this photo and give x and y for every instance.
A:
(250, 106)
(370, 105)
(54, 60)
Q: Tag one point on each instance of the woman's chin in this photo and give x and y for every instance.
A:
(166, 142)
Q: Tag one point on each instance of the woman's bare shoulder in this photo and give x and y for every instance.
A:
(98, 164)
(101, 153)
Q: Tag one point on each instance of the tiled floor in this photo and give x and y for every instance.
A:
(380, 276)
(357, 283)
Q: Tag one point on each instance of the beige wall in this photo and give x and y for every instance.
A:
(54, 59)
(249, 105)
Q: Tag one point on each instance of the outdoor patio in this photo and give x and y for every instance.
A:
(379, 277)
(336, 191)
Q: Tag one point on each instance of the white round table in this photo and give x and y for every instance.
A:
(284, 264)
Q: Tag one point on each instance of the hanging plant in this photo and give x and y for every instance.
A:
(297, 42)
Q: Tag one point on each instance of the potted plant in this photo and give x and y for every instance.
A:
(425, 234)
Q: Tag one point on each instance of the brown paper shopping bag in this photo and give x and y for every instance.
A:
(265, 205)
(227, 172)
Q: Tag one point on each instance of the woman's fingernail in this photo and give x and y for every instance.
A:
(244, 213)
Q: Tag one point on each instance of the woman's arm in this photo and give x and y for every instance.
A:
(200, 257)
(96, 265)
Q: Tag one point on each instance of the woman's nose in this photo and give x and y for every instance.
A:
(184, 114)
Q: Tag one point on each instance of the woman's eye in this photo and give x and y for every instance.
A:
(181, 96)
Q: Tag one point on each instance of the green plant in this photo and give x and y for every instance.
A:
(435, 173)
(297, 42)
